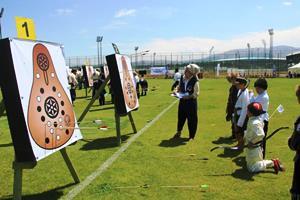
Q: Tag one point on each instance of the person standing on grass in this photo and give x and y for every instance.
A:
(73, 83)
(252, 142)
(176, 78)
(261, 86)
(144, 85)
(232, 97)
(103, 92)
(187, 108)
(240, 109)
(96, 77)
(136, 79)
(294, 144)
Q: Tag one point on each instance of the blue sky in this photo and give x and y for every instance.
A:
(158, 25)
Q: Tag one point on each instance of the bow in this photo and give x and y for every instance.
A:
(257, 143)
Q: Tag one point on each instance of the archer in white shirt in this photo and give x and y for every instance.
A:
(240, 109)
(261, 87)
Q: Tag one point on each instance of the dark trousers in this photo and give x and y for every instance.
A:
(102, 99)
(242, 130)
(144, 92)
(295, 196)
(73, 94)
(263, 144)
(232, 128)
(112, 98)
(295, 190)
(95, 87)
(174, 85)
(187, 109)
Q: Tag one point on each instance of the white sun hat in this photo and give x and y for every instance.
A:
(193, 68)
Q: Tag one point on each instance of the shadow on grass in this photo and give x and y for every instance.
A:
(4, 115)
(223, 140)
(102, 143)
(53, 194)
(82, 97)
(107, 108)
(229, 153)
(173, 142)
(243, 172)
(6, 145)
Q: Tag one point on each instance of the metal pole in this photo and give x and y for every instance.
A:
(98, 40)
(101, 63)
(1, 14)
(136, 58)
(98, 54)
(142, 61)
(271, 33)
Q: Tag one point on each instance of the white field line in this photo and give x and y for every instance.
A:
(76, 190)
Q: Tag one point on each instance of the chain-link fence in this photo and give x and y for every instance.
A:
(248, 59)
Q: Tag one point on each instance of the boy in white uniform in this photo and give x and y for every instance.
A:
(240, 109)
(177, 77)
(252, 140)
(262, 97)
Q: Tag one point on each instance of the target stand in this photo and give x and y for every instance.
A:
(118, 125)
(117, 116)
(38, 108)
(2, 108)
(18, 168)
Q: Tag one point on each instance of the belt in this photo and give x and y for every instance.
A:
(236, 109)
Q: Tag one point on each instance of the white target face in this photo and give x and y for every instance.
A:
(128, 83)
(45, 99)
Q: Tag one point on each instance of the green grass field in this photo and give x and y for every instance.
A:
(154, 159)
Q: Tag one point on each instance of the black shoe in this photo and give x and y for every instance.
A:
(177, 135)
(231, 137)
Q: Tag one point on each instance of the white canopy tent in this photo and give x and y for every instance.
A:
(295, 69)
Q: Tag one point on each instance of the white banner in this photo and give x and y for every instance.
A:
(158, 70)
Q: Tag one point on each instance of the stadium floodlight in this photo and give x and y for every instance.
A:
(271, 33)
(1, 14)
(265, 48)
(210, 51)
(136, 48)
(99, 41)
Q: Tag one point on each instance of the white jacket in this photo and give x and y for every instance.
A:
(263, 99)
(241, 104)
(254, 133)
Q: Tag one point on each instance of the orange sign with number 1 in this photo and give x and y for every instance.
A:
(25, 28)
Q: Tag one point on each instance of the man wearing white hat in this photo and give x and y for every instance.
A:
(187, 108)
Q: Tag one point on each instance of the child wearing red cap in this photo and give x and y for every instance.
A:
(252, 142)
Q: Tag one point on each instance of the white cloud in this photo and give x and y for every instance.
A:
(197, 44)
(259, 7)
(287, 3)
(160, 13)
(83, 31)
(115, 25)
(63, 11)
(125, 12)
